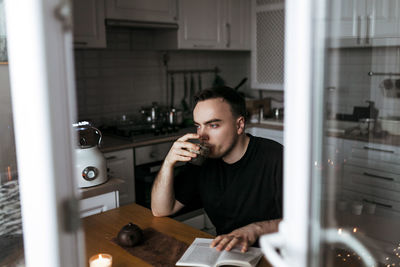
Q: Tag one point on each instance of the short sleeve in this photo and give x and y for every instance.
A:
(186, 186)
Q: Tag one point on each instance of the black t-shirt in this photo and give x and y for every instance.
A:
(235, 195)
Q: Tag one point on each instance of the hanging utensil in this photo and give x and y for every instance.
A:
(240, 84)
(185, 91)
(199, 80)
(192, 90)
(172, 90)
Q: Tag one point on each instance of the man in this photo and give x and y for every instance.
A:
(239, 185)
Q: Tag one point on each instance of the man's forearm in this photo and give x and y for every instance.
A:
(162, 195)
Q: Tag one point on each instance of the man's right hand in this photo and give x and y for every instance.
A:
(180, 150)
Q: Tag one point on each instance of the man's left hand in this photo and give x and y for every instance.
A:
(244, 236)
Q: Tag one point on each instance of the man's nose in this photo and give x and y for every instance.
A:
(202, 134)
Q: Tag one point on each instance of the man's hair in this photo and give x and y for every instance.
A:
(231, 96)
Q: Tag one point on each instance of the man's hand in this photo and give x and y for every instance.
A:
(179, 150)
(245, 236)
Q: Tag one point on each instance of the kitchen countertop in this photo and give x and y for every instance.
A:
(112, 143)
(101, 228)
(113, 184)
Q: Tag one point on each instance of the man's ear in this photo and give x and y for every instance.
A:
(240, 125)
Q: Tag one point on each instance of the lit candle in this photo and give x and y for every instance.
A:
(101, 260)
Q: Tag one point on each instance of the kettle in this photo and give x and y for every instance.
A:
(90, 164)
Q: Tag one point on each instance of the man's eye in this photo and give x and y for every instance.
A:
(214, 125)
(197, 126)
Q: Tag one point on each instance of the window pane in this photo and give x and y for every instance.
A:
(11, 242)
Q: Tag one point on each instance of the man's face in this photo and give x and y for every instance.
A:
(216, 126)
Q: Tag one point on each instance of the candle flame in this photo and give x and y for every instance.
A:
(340, 231)
(354, 229)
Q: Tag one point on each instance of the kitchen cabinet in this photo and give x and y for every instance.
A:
(97, 204)
(89, 28)
(267, 38)
(214, 24)
(138, 10)
(120, 165)
(210, 25)
(364, 23)
(371, 174)
(332, 167)
(275, 135)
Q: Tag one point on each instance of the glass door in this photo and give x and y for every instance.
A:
(342, 133)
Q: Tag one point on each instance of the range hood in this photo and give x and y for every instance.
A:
(141, 24)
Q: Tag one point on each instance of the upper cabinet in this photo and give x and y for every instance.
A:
(139, 10)
(214, 25)
(267, 37)
(89, 28)
(237, 24)
(200, 24)
(364, 23)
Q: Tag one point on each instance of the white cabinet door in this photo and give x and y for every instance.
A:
(347, 19)
(384, 18)
(89, 29)
(384, 22)
(98, 204)
(364, 23)
(199, 24)
(120, 165)
(236, 25)
(267, 38)
(139, 10)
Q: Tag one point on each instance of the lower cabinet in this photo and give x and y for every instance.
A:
(275, 135)
(371, 175)
(120, 165)
(97, 204)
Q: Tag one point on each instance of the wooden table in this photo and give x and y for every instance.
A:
(99, 229)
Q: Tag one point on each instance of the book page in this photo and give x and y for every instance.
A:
(238, 258)
(199, 254)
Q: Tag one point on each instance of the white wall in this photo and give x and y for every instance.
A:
(129, 73)
(7, 144)
(347, 72)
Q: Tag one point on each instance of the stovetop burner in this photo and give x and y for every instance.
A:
(132, 131)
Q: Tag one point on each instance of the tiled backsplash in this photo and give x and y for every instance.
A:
(349, 81)
(129, 74)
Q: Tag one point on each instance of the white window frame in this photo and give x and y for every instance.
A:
(43, 100)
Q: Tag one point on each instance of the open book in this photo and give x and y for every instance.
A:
(200, 254)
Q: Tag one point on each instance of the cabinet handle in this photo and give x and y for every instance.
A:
(228, 32)
(177, 11)
(80, 43)
(378, 176)
(368, 37)
(359, 30)
(378, 149)
(111, 157)
(377, 203)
